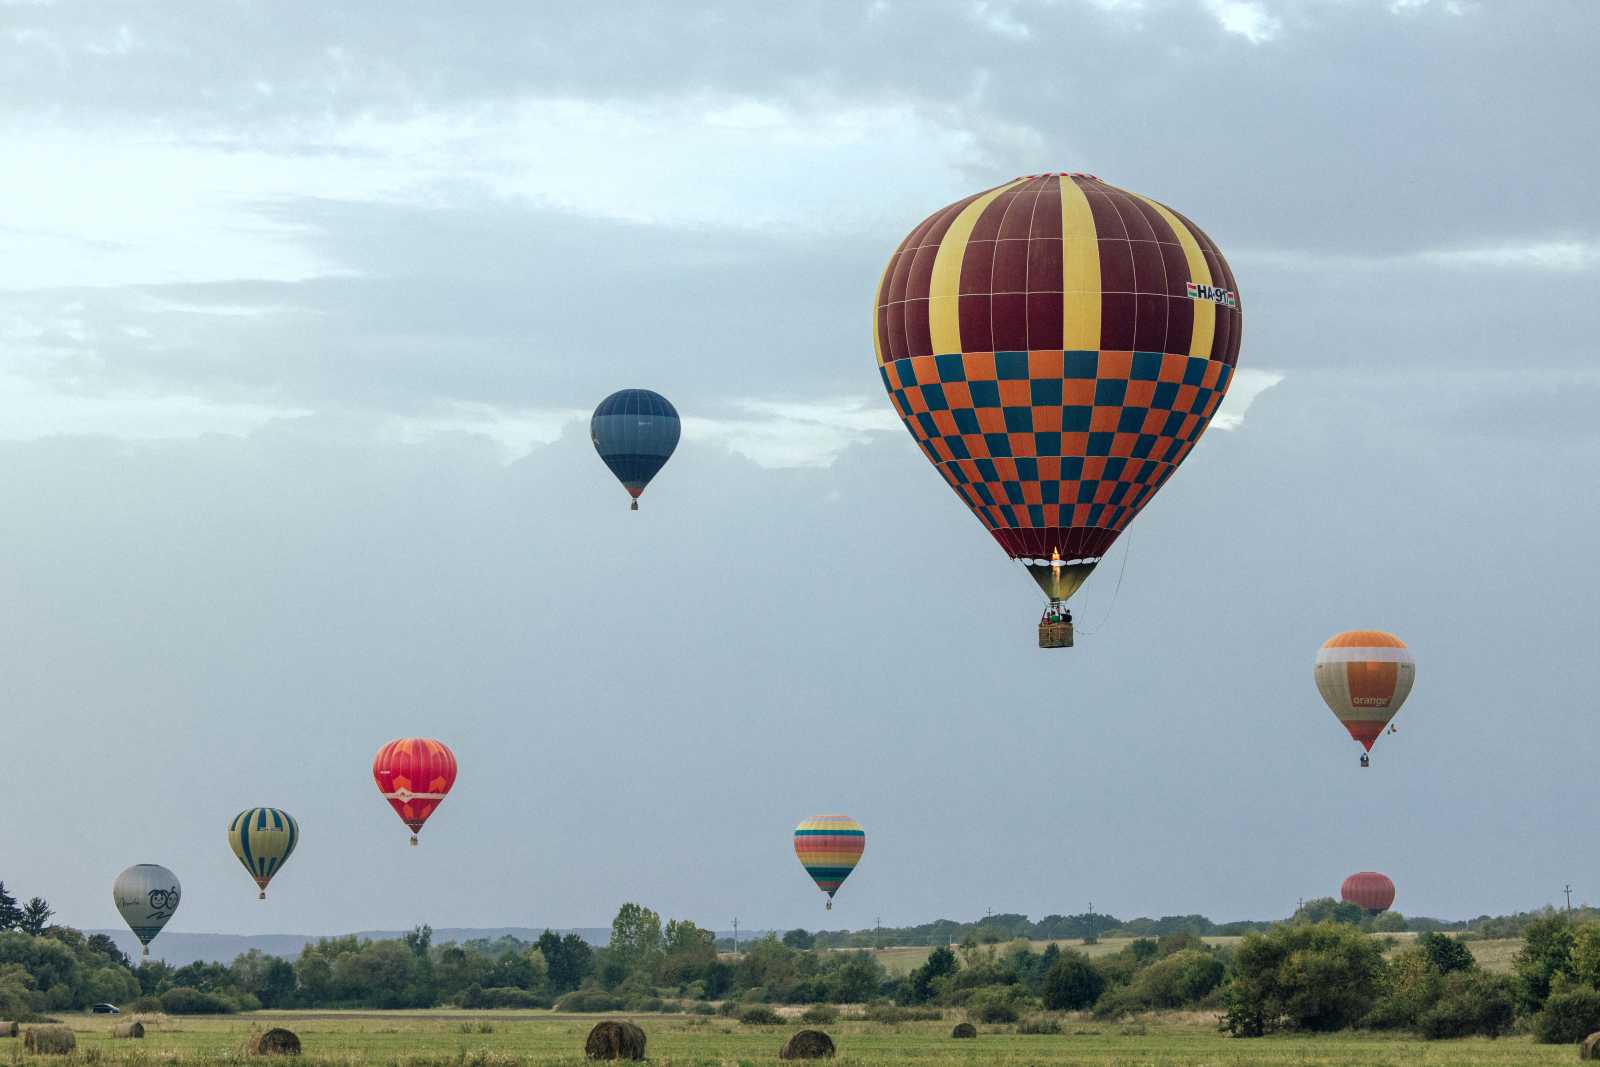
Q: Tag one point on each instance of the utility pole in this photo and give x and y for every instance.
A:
(735, 935)
(1569, 896)
(877, 935)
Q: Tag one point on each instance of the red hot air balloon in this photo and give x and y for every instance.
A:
(1056, 346)
(1368, 890)
(414, 774)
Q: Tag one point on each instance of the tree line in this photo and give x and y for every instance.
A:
(1323, 969)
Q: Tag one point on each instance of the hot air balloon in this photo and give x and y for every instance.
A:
(635, 431)
(146, 895)
(263, 839)
(1364, 675)
(1056, 346)
(414, 774)
(1369, 890)
(829, 847)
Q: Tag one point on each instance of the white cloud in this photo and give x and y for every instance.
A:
(1248, 383)
(30, 409)
(1248, 18)
(1539, 255)
(1561, 256)
(798, 433)
(145, 205)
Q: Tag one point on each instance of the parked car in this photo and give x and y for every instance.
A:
(106, 1009)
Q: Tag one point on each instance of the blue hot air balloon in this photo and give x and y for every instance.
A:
(635, 431)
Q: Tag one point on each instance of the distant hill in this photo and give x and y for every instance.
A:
(179, 949)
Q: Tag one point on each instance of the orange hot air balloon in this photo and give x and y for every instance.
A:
(414, 774)
(1369, 890)
(1364, 676)
(1056, 346)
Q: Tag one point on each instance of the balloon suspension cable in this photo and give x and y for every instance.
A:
(1127, 547)
(413, 840)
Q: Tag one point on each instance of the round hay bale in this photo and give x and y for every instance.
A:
(1590, 1048)
(49, 1040)
(614, 1039)
(964, 1030)
(807, 1045)
(8, 1029)
(133, 1029)
(275, 1042)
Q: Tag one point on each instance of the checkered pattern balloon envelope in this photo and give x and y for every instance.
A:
(1056, 346)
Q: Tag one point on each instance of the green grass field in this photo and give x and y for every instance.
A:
(1492, 956)
(447, 1038)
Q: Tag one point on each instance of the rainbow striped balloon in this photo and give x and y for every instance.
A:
(829, 847)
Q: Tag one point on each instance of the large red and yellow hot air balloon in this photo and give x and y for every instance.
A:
(1369, 890)
(1364, 676)
(414, 774)
(1056, 346)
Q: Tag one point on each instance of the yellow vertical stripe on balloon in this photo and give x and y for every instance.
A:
(1205, 312)
(877, 310)
(1080, 271)
(944, 288)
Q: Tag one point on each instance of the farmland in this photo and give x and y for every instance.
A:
(1494, 956)
(448, 1038)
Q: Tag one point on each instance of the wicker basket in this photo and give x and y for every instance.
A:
(1055, 635)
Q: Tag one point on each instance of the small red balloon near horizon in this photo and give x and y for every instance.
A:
(1369, 890)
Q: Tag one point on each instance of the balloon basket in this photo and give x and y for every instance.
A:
(828, 906)
(146, 952)
(633, 505)
(1055, 635)
(262, 895)
(413, 840)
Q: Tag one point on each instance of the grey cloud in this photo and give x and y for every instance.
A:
(1355, 127)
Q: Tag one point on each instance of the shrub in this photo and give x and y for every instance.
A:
(646, 1004)
(1179, 980)
(998, 1004)
(1317, 976)
(507, 997)
(760, 1015)
(1568, 1015)
(884, 1012)
(1039, 1024)
(146, 1006)
(183, 1000)
(1072, 983)
(589, 1000)
(820, 1014)
(703, 1007)
(1470, 1003)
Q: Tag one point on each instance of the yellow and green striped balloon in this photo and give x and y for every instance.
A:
(263, 839)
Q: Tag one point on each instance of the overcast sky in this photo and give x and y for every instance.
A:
(303, 308)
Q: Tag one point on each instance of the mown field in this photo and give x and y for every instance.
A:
(1492, 956)
(445, 1038)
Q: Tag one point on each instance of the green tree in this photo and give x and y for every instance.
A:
(35, 917)
(1546, 952)
(941, 963)
(1321, 976)
(1586, 954)
(1446, 954)
(635, 935)
(568, 959)
(1072, 983)
(10, 913)
(800, 939)
(1326, 909)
